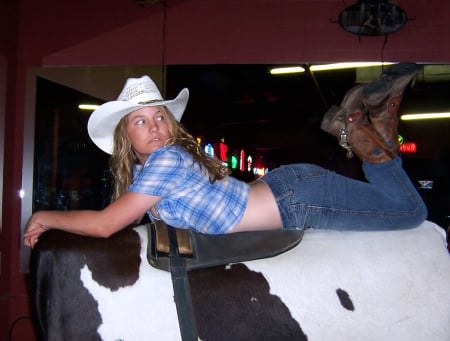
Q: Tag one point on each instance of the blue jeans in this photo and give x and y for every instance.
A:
(309, 196)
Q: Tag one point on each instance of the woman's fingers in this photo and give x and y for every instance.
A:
(31, 237)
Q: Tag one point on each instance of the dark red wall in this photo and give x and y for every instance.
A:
(119, 32)
(109, 32)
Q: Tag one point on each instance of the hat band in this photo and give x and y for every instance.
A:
(151, 101)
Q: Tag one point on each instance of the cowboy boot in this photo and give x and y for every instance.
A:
(333, 121)
(382, 99)
(353, 130)
(364, 140)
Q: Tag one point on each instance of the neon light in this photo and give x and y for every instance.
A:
(242, 161)
(234, 162)
(259, 171)
(209, 149)
(223, 149)
(408, 147)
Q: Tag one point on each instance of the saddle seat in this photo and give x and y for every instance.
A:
(206, 250)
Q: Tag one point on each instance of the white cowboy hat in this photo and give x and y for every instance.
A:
(136, 94)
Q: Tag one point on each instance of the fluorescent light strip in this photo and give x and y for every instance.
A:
(427, 116)
(286, 70)
(88, 106)
(324, 67)
(338, 66)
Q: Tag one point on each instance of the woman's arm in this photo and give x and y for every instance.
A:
(119, 214)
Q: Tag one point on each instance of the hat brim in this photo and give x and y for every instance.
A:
(104, 119)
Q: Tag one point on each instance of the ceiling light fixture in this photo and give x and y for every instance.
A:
(350, 65)
(286, 70)
(325, 67)
(88, 106)
(425, 116)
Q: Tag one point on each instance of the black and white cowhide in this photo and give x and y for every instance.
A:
(332, 286)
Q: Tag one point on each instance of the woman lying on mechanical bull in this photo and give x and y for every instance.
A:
(160, 170)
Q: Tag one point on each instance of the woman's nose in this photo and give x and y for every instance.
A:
(153, 127)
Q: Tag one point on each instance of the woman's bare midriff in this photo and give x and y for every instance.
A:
(261, 212)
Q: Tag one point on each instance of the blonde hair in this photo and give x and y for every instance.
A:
(123, 157)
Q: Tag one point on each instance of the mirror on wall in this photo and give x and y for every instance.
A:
(70, 172)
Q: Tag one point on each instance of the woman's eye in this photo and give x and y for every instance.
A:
(140, 122)
(160, 118)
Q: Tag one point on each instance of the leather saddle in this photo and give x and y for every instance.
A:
(205, 250)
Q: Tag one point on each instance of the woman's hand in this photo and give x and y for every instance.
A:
(33, 230)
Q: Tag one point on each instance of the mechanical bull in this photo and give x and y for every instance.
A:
(330, 286)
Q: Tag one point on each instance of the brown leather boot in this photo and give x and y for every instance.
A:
(382, 99)
(384, 119)
(351, 126)
(364, 140)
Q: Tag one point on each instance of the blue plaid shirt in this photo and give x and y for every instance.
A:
(189, 200)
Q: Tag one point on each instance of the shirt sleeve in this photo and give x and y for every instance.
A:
(162, 173)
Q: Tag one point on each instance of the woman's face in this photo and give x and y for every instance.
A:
(148, 130)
